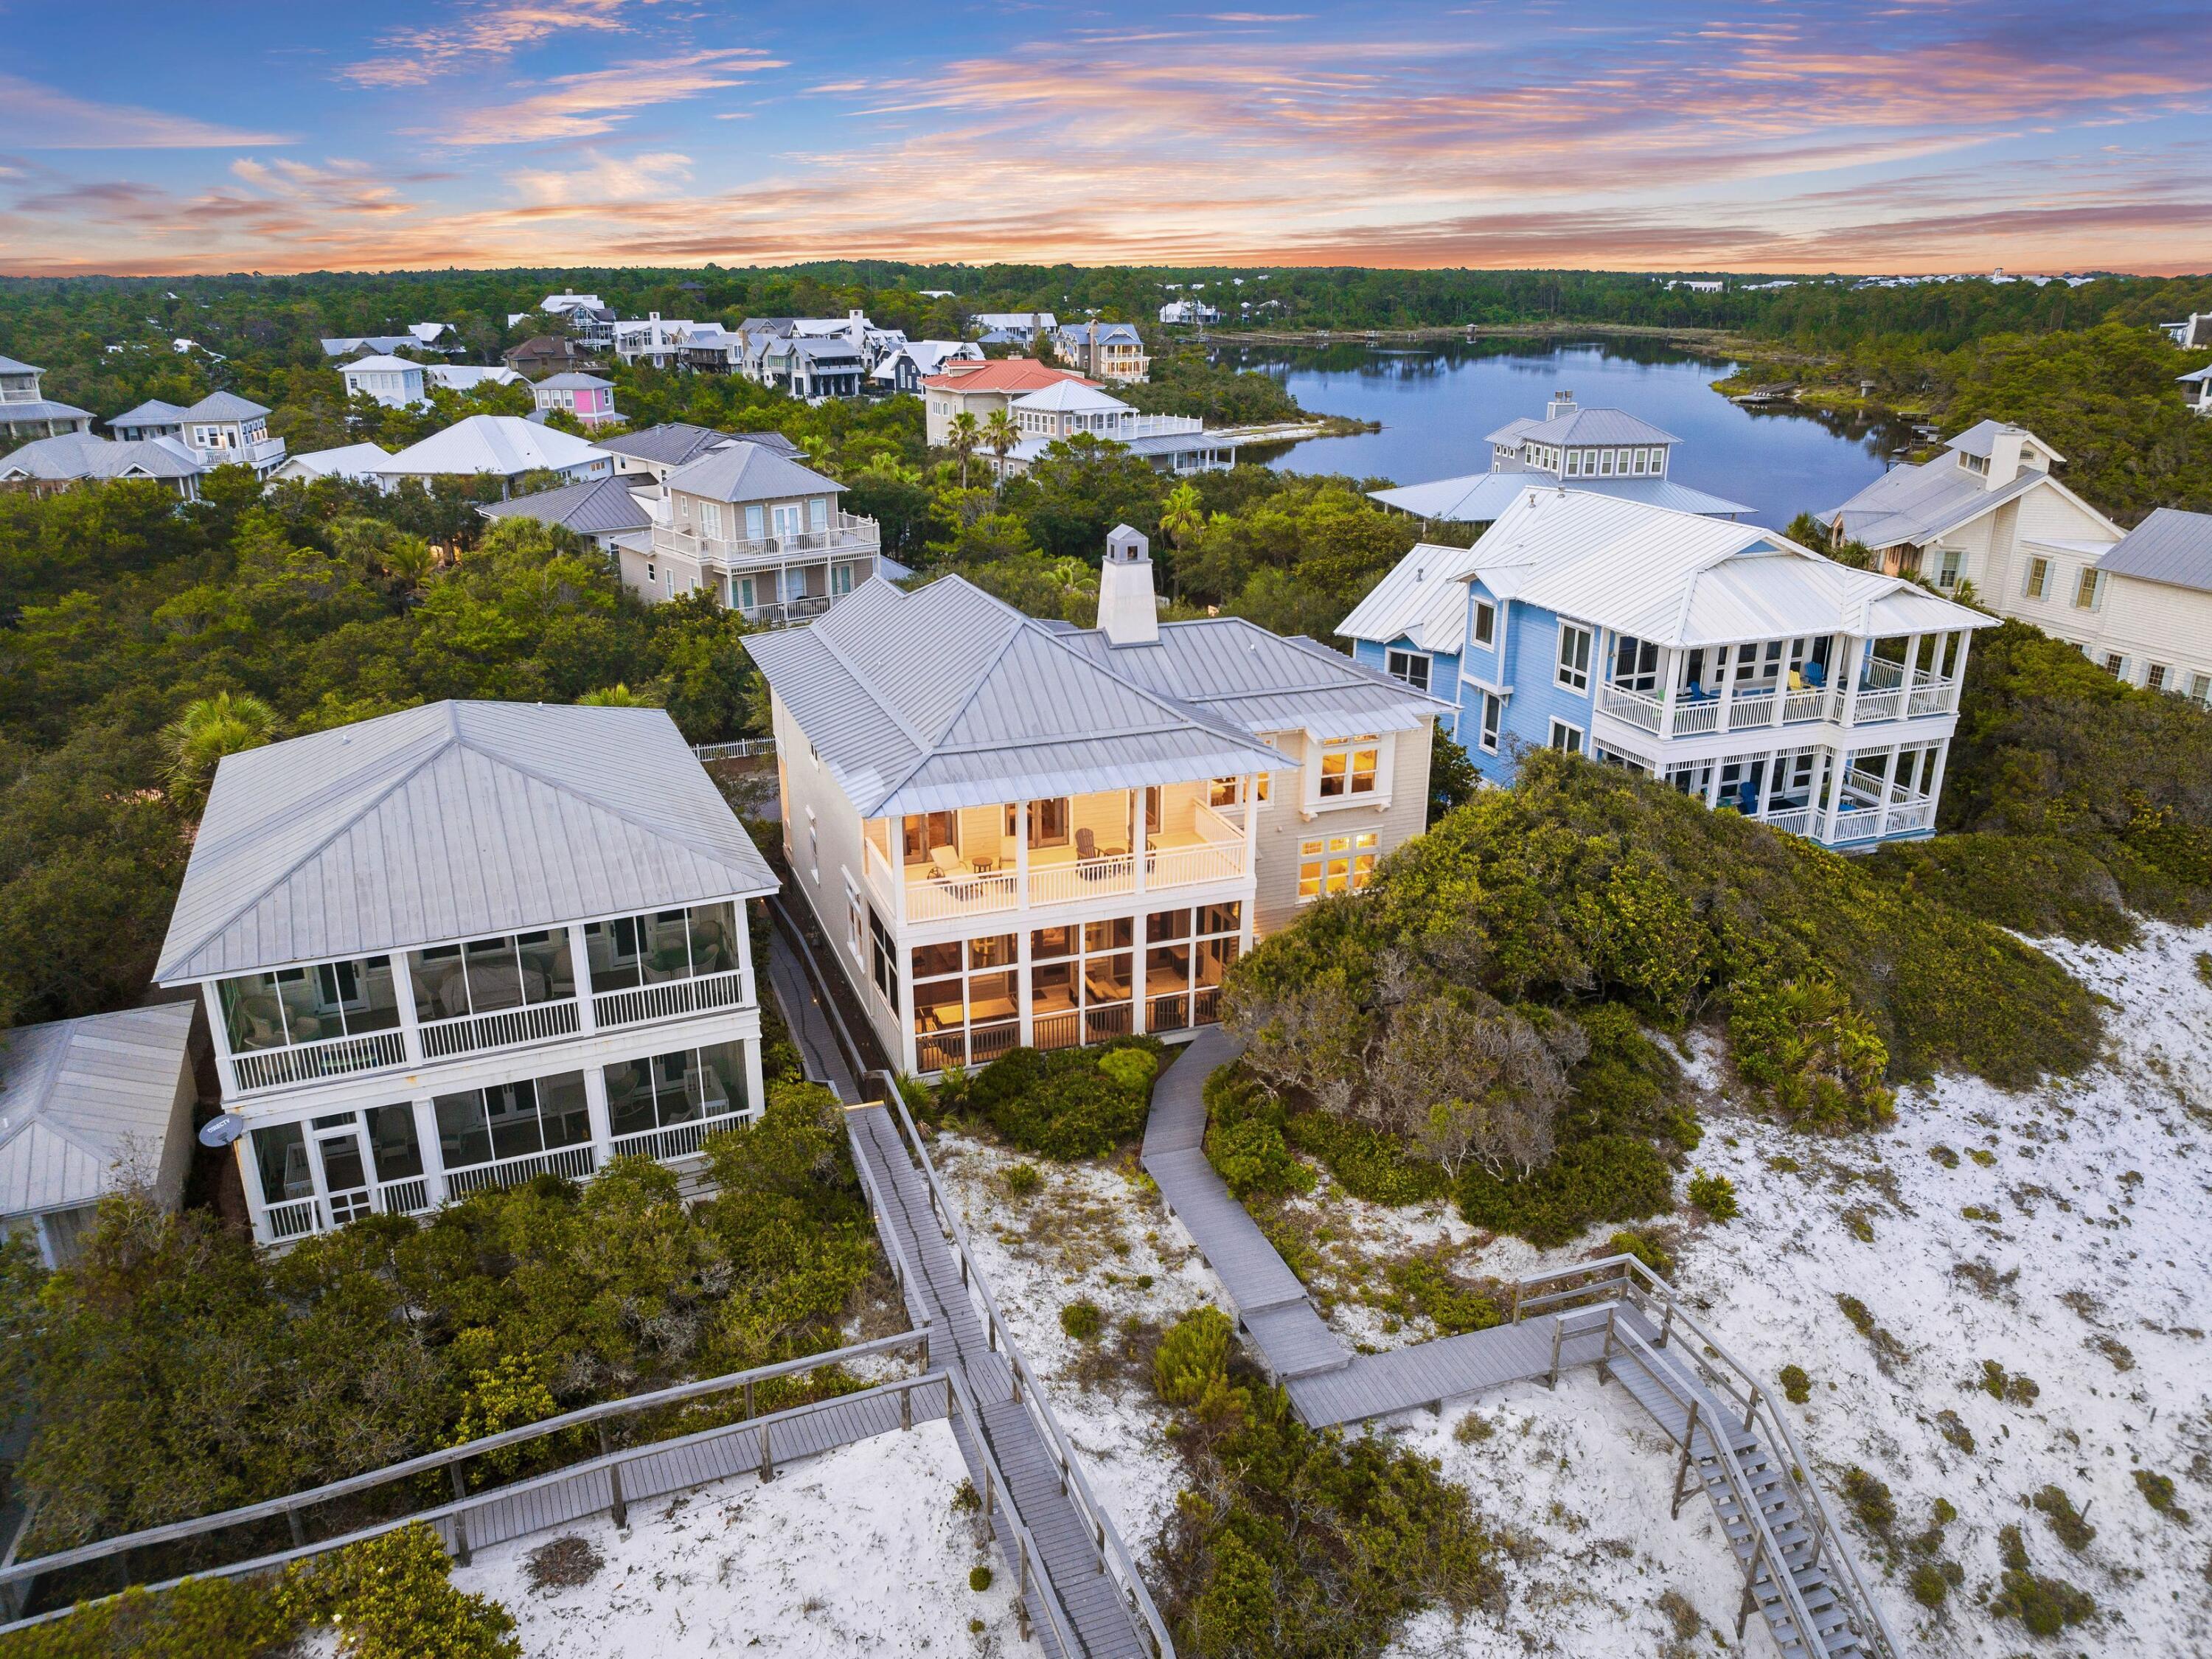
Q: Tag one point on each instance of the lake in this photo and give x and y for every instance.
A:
(1437, 403)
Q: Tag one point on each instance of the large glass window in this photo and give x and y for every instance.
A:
(280, 1156)
(392, 1143)
(1411, 666)
(307, 1005)
(1350, 768)
(966, 1001)
(683, 1087)
(1187, 952)
(512, 1120)
(1335, 863)
(1081, 982)
(487, 975)
(662, 945)
(883, 961)
(1573, 671)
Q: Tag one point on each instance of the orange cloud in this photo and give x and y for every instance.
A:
(595, 101)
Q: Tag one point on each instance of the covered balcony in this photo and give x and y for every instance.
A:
(1775, 684)
(1068, 849)
(1838, 798)
(839, 533)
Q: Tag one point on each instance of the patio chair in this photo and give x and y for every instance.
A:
(1086, 849)
(1747, 799)
(1815, 676)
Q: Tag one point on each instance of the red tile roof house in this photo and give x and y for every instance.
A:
(982, 389)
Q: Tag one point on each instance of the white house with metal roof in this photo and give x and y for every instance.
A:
(1106, 351)
(1988, 511)
(1734, 664)
(391, 381)
(2199, 382)
(464, 946)
(1070, 408)
(502, 446)
(26, 411)
(355, 462)
(2148, 619)
(221, 429)
(1020, 833)
(90, 1107)
(1607, 451)
(757, 527)
(46, 465)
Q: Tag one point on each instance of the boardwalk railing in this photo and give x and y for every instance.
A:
(742, 749)
(1624, 1279)
(1029, 1393)
(450, 1462)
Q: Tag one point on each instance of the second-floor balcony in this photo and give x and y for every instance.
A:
(845, 533)
(299, 1025)
(1886, 690)
(257, 453)
(979, 861)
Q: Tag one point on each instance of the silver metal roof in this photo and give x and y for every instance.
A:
(749, 472)
(1481, 497)
(451, 821)
(1596, 425)
(598, 506)
(225, 406)
(12, 366)
(71, 455)
(948, 697)
(41, 409)
(2170, 546)
(1423, 600)
(83, 1102)
(1916, 504)
(152, 412)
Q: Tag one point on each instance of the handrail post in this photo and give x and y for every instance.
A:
(1559, 1329)
(1517, 1286)
(750, 1412)
(1751, 1410)
(460, 1521)
(1022, 1599)
(906, 1406)
(767, 1457)
(1667, 1324)
(299, 1531)
(1682, 1469)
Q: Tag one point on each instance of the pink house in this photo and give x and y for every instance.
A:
(588, 398)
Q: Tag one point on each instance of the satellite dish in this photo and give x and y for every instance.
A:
(222, 1129)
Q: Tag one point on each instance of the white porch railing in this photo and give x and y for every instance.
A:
(574, 1162)
(1810, 704)
(1695, 719)
(534, 1023)
(1936, 697)
(1183, 866)
(935, 897)
(303, 1063)
(1909, 815)
(845, 532)
(1639, 709)
(1874, 707)
(670, 1000)
(676, 1140)
(1752, 707)
(295, 1219)
(1065, 883)
(1796, 820)
(404, 1197)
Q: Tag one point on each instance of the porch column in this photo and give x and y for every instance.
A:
(219, 1035)
(1713, 784)
(579, 960)
(1140, 1003)
(1669, 693)
(1727, 654)
(1936, 782)
(1022, 863)
(1023, 1003)
(1839, 766)
(1769, 779)
(402, 991)
(249, 1173)
(433, 1150)
(1958, 671)
(595, 1109)
(1139, 838)
(1888, 791)
(1848, 668)
(1252, 821)
(1911, 674)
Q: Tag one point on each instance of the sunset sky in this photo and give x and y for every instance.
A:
(1923, 135)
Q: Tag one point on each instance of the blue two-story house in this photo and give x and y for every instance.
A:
(1739, 666)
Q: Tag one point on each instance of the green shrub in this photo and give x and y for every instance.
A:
(2039, 885)
(1626, 1242)
(2014, 1389)
(1815, 1056)
(2157, 1491)
(1953, 1427)
(2067, 1522)
(1022, 1179)
(1605, 1178)
(1082, 1320)
(1421, 1287)
(2044, 1606)
(1627, 1085)
(1366, 1164)
(1927, 1584)
(1254, 1161)
(1193, 1357)
(1796, 1387)
(1070, 1103)
(979, 1579)
(1871, 1501)
(1715, 1195)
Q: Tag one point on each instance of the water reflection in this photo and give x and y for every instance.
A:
(1437, 403)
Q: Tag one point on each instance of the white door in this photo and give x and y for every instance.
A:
(345, 1173)
(789, 521)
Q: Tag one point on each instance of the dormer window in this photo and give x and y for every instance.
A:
(1979, 465)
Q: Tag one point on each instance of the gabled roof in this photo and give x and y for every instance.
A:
(597, 506)
(503, 445)
(40, 408)
(571, 379)
(1481, 497)
(1678, 580)
(72, 455)
(1109, 333)
(84, 1101)
(1259, 682)
(225, 406)
(1980, 439)
(745, 472)
(386, 364)
(466, 377)
(670, 444)
(1010, 375)
(451, 821)
(1916, 504)
(1586, 426)
(1423, 601)
(346, 461)
(339, 346)
(948, 697)
(152, 412)
(2196, 375)
(2170, 546)
(12, 366)
(1071, 395)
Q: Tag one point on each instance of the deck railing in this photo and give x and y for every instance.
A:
(676, 1140)
(1114, 1555)
(294, 1218)
(409, 1197)
(602, 1469)
(536, 1022)
(1092, 877)
(576, 1163)
(670, 1000)
(1625, 1278)
(934, 898)
(304, 1062)
(1185, 866)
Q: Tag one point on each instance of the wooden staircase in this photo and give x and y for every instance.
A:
(1798, 1573)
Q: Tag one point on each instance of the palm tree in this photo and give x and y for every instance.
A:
(1000, 434)
(962, 440)
(210, 728)
(618, 695)
(1180, 520)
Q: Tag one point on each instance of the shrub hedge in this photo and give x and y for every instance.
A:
(1065, 1103)
(1604, 1178)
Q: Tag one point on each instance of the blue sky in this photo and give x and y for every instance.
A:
(1900, 135)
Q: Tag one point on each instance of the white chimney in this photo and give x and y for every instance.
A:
(856, 328)
(1129, 609)
(1562, 403)
(2005, 458)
